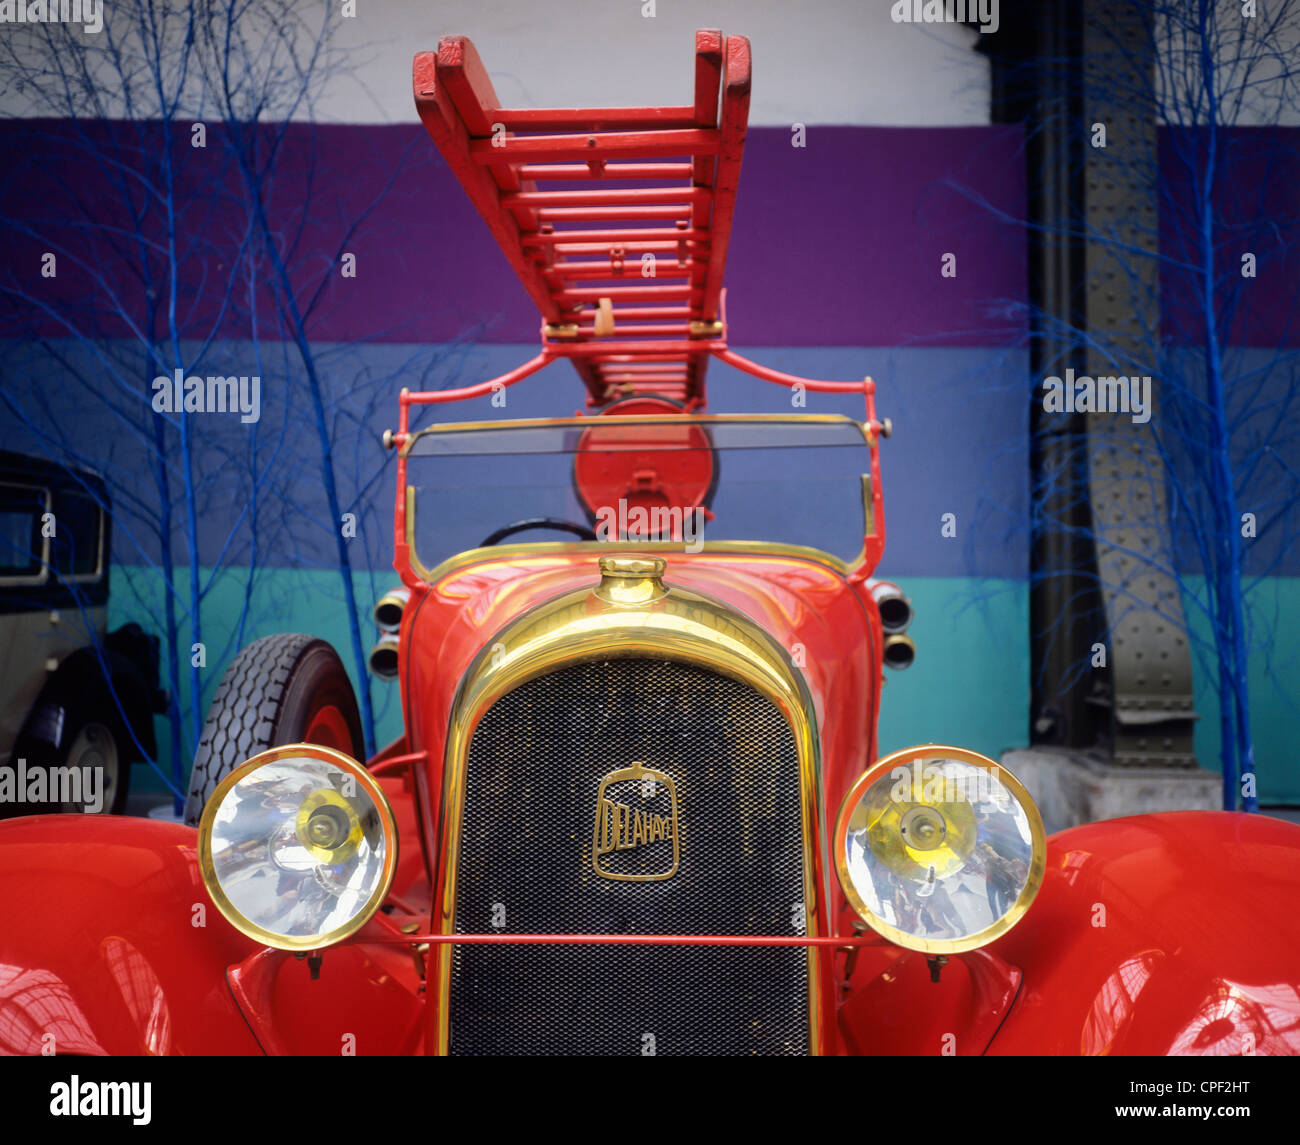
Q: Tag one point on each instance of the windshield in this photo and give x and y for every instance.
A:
(686, 481)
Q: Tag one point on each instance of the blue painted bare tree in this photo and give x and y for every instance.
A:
(263, 64)
(96, 293)
(185, 240)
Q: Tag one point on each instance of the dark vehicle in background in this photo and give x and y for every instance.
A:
(73, 696)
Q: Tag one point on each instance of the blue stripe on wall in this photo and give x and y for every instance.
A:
(959, 444)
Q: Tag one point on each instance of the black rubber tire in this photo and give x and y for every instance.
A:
(267, 699)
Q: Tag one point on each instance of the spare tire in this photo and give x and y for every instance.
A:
(289, 688)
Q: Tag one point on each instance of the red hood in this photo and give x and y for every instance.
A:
(829, 627)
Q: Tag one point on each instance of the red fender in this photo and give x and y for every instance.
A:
(1160, 934)
(893, 1006)
(1175, 933)
(100, 952)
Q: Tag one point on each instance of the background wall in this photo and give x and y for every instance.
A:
(824, 62)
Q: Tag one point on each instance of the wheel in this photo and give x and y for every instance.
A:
(94, 745)
(90, 740)
(282, 689)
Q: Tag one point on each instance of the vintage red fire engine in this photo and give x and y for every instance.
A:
(637, 807)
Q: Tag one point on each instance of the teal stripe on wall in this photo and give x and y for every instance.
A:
(289, 600)
(969, 685)
(1274, 685)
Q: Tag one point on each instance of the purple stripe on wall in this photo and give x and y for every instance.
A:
(838, 242)
(842, 242)
(1252, 175)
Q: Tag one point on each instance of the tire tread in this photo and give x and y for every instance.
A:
(241, 718)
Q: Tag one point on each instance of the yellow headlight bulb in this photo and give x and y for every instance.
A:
(328, 827)
(920, 840)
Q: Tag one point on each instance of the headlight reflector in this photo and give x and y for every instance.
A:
(298, 847)
(939, 849)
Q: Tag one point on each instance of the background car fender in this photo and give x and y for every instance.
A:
(110, 944)
(133, 697)
(1174, 933)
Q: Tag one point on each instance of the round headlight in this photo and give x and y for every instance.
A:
(298, 847)
(939, 849)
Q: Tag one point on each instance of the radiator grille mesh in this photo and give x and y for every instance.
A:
(533, 777)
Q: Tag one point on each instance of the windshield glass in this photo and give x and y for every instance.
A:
(688, 481)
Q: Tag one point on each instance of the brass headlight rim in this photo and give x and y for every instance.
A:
(387, 821)
(1037, 866)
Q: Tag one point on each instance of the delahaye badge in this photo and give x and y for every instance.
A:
(635, 838)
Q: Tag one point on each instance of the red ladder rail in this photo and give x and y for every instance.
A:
(616, 220)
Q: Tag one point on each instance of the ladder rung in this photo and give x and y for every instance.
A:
(621, 237)
(589, 118)
(598, 144)
(658, 330)
(631, 293)
(594, 214)
(629, 246)
(639, 367)
(546, 171)
(678, 197)
(602, 271)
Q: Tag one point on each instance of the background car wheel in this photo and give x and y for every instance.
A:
(95, 746)
(281, 689)
(90, 739)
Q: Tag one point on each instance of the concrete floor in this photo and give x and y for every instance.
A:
(149, 805)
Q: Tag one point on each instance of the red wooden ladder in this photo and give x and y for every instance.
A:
(616, 220)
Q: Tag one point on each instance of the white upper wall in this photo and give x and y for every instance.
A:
(815, 61)
(1257, 55)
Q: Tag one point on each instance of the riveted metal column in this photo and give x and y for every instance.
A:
(1151, 710)
(1037, 83)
